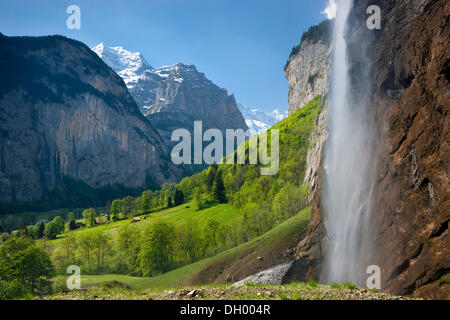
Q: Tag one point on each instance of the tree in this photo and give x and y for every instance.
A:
(39, 229)
(85, 244)
(136, 206)
(178, 198)
(108, 210)
(115, 210)
(167, 197)
(67, 251)
(219, 189)
(71, 225)
(156, 200)
(147, 201)
(169, 202)
(89, 217)
(51, 230)
(59, 222)
(157, 249)
(210, 234)
(127, 205)
(21, 260)
(189, 241)
(197, 199)
(101, 246)
(212, 172)
(129, 242)
(289, 201)
(70, 217)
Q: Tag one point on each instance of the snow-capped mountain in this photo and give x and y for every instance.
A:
(175, 96)
(130, 66)
(259, 121)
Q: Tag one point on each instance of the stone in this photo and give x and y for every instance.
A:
(192, 293)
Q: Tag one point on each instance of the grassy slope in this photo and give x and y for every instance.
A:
(270, 245)
(243, 260)
(177, 215)
(164, 287)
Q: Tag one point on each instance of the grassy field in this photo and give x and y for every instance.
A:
(270, 245)
(29, 218)
(177, 216)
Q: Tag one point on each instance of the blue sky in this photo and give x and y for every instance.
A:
(241, 45)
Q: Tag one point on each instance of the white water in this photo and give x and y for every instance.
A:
(349, 165)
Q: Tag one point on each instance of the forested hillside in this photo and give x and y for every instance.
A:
(208, 213)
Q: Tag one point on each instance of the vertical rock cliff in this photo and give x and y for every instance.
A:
(308, 73)
(410, 99)
(308, 67)
(63, 112)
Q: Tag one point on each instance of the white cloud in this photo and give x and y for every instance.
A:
(330, 10)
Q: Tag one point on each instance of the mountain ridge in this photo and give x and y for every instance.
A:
(174, 96)
(70, 115)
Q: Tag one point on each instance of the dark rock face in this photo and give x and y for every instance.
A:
(410, 102)
(63, 112)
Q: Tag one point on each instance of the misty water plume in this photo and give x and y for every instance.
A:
(349, 165)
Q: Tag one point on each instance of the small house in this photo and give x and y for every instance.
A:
(136, 219)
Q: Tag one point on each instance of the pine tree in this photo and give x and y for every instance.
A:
(219, 189)
(169, 202)
(178, 198)
(115, 210)
(212, 174)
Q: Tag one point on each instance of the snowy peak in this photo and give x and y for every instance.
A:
(129, 65)
(259, 121)
(279, 114)
(172, 96)
(179, 71)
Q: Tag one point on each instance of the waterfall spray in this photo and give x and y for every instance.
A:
(349, 170)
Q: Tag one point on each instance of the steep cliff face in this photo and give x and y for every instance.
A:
(308, 72)
(173, 97)
(410, 102)
(63, 112)
(185, 96)
(308, 67)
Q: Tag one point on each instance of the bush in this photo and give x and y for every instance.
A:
(12, 290)
(21, 260)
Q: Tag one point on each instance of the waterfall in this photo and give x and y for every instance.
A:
(349, 169)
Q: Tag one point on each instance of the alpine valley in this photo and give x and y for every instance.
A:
(359, 208)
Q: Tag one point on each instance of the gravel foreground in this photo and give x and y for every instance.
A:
(245, 292)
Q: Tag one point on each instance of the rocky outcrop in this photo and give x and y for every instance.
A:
(410, 82)
(63, 112)
(273, 275)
